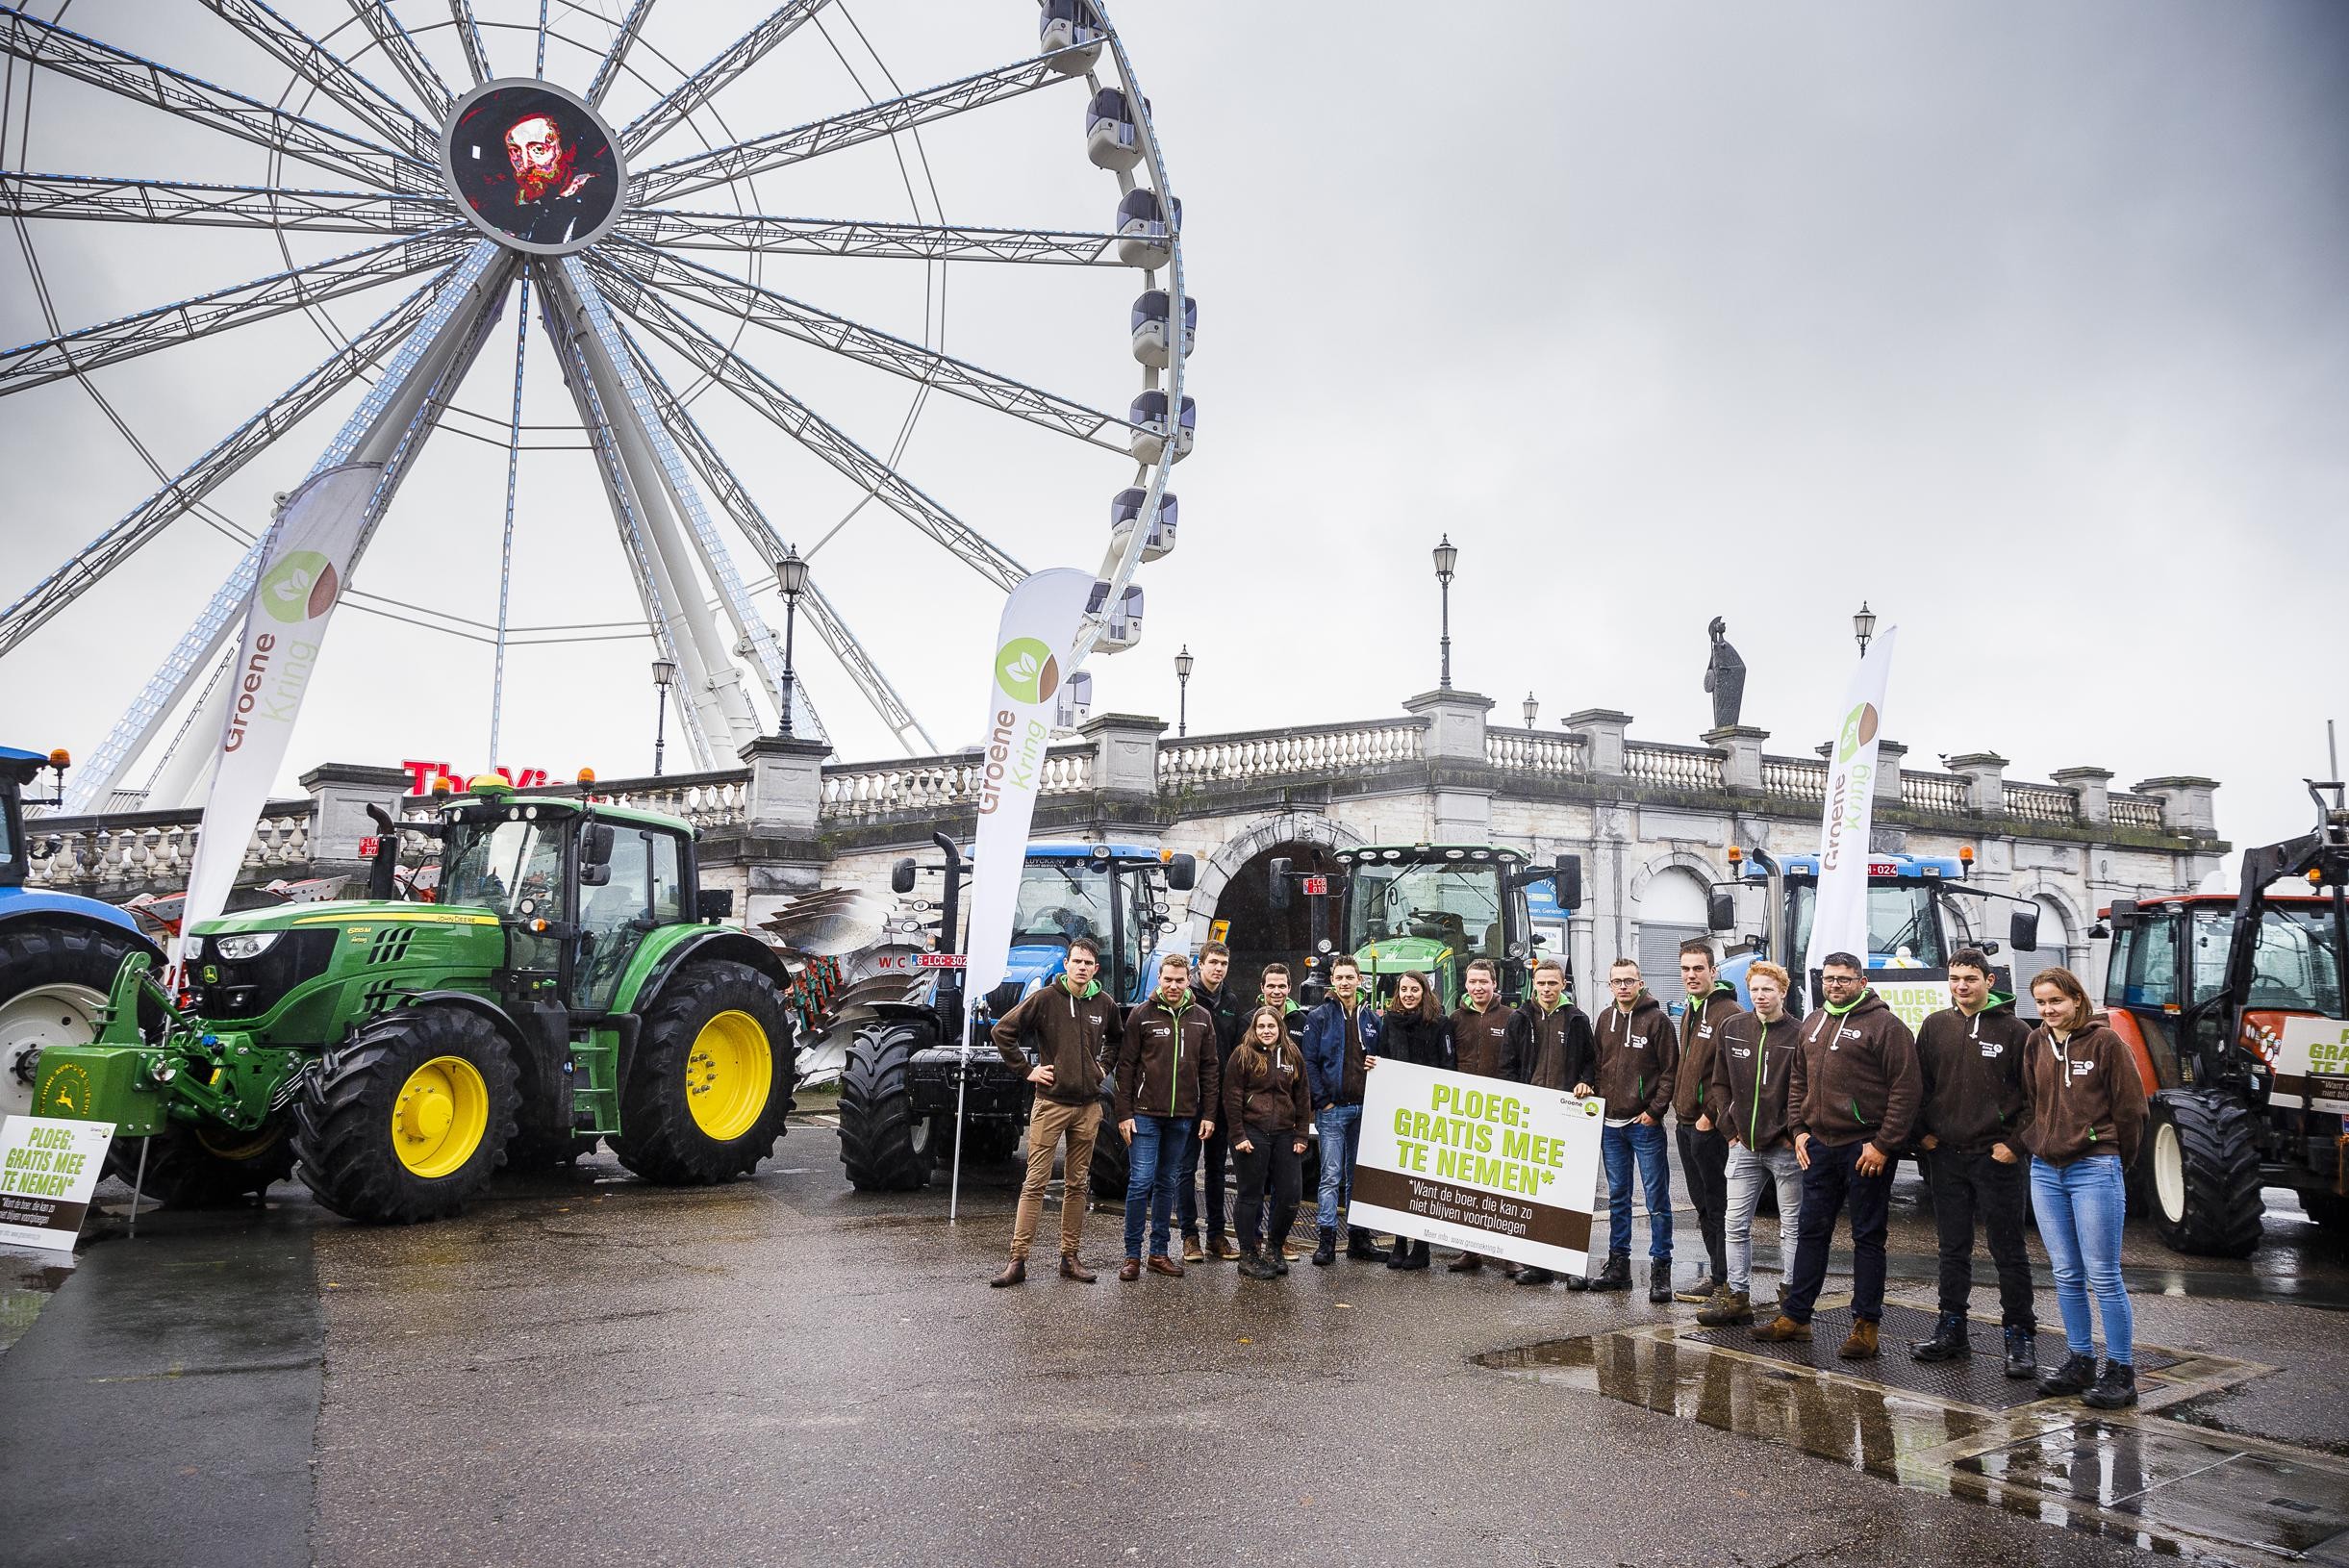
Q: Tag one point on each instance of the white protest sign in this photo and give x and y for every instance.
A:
(1477, 1163)
(47, 1169)
(2311, 1063)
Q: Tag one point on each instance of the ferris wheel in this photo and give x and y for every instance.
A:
(472, 180)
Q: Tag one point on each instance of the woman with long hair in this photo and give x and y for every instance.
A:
(1268, 1108)
(1416, 1031)
(2086, 1112)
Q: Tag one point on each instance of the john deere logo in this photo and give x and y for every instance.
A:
(66, 1092)
(1859, 729)
(301, 587)
(1025, 669)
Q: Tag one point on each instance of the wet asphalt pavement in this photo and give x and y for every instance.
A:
(587, 1370)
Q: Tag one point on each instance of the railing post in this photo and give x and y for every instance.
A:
(1985, 776)
(2187, 803)
(1124, 752)
(2092, 787)
(1601, 732)
(1741, 752)
(1454, 738)
(340, 795)
(1888, 756)
(786, 788)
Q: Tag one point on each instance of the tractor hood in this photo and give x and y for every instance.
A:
(1403, 954)
(343, 912)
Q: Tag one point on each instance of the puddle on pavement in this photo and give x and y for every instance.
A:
(27, 1282)
(2152, 1485)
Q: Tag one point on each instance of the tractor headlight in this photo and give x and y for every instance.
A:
(237, 949)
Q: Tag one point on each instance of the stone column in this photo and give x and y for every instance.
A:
(1985, 776)
(1601, 731)
(786, 793)
(1459, 812)
(1124, 752)
(1741, 755)
(2187, 803)
(1889, 756)
(341, 793)
(2094, 788)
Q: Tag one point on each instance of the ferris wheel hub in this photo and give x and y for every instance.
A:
(533, 166)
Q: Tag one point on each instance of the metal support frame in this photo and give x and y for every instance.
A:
(109, 199)
(376, 15)
(751, 233)
(334, 77)
(714, 77)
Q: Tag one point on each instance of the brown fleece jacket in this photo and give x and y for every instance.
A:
(1479, 1039)
(1168, 1066)
(1265, 1091)
(1638, 1053)
(2087, 1096)
(1856, 1078)
(1749, 1073)
(1072, 1034)
(1548, 1051)
(1699, 1038)
(1973, 1066)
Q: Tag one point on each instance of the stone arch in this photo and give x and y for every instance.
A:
(2069, 945)
(1696, 865)
(1215, 875)
(1657, 933)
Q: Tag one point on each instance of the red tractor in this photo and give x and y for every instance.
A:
(2233, 1008)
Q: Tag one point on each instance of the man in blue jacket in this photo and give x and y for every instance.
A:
(1341, 1045)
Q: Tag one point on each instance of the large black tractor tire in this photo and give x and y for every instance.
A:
(710, 1089)
(2200, 1174)
(1112, 1159)
(190, 1167)
(409, 1117)
(884, 1145)
(53, 981)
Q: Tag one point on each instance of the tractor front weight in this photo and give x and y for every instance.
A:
(191, 1074)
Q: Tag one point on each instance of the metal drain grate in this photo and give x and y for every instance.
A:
(1978, 1381)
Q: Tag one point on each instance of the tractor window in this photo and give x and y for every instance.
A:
(515, 868)
(614, 917)
(2151, 976)
(2295, 967)
(1457, 905)
(668, 877)
(1901, 916)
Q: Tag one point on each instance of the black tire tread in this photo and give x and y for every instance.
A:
(341, 1114)
(183, 1174)
(659, 1139)
(34, 952)
(2220, 1155)
(877, 1123)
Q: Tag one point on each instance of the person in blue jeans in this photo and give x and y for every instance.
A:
(1341, 1047)
(2088, 1112)
(1169, 1075)
(1637, 1052)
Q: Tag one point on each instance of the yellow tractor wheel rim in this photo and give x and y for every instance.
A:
(728, 1074)
(234, 1146)
(440, 1115)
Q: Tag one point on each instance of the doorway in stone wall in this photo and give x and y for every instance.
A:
(1259, 934)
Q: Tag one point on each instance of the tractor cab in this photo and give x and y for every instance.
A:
(1431, 909)
(1911, 927)
(19, 769)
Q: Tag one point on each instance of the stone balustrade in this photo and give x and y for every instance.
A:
(719, 798)
(1269, 754)
(1534, 751)
(1691, 767)
(939, 785)
(134, 853)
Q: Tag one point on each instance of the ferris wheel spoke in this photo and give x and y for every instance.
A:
(70, 54)
(468, 37)
(804, 425)
(707, 287)
(131, 199)
(763, 155)
(616, 57)
(256, 299)
(399, 48)
(334, 77)
(735, 496)
(188, 488)
(721, 71)
(746, 232)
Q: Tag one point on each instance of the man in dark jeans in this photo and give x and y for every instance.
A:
(1971, 1054)
(1206, 1157)
(1704, 1149)
(1852, 1095)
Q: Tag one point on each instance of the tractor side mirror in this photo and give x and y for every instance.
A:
(1566, 884)
(1182, 873)
(714, 904)
(2023, 929)
(596, 850)
(1721, 912)
(595, 876)
(901, 876)
(1277, 893)
(2122, 914)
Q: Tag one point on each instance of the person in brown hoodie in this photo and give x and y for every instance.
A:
(1749, 1103)
(1167, 1078)
(1971, 1053)
(1638, 1053)
(1704, 1149)
(1266, 1111)
(1070, 1020)
(2088, 1112)
(1480, 1029)
(1548, 1046)
(1851, 1100)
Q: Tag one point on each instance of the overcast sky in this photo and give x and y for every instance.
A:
(2023, 322)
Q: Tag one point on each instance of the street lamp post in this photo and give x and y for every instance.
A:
(1532, 710)
(664, 671)
(791, 576)
(1182, 701)
(1446, 556)
(1863, 628)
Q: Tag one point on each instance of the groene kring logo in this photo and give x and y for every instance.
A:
(1859, 729)
(1027, 669)
(300, 587)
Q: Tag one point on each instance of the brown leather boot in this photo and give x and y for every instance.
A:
(1783, 1329)
(1013, 1273)
(1465, 1263)
(1130, 1270)
(1160, 1263)
(1860, 1346)
(1072, 1266)
(1222, 1248)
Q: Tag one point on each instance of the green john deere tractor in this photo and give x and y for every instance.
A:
(570, 983)
(1432, 909)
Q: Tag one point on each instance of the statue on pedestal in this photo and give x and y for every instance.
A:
(1725, 676)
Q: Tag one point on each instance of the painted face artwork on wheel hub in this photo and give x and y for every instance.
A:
(533, 166)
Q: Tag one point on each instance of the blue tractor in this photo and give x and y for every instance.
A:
(1910, 927)
(58, 952)
(905, 1070)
